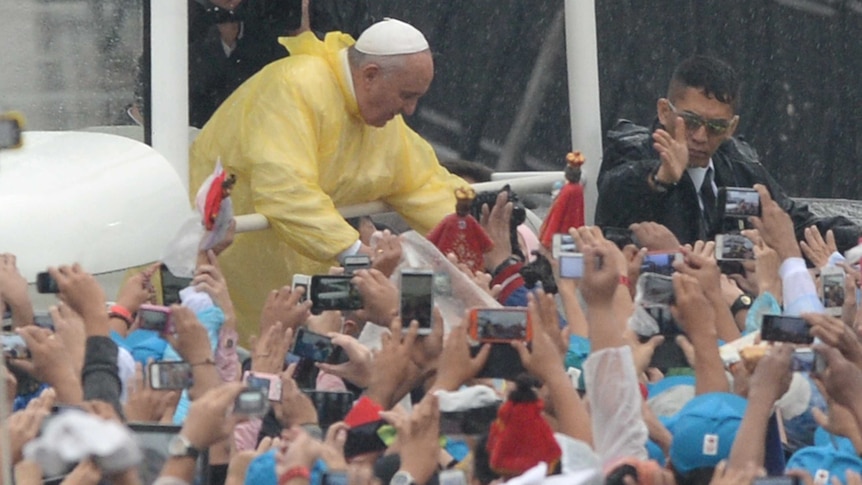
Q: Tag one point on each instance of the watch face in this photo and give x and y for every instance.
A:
(402, 478)
(745, 299)
(179, 446)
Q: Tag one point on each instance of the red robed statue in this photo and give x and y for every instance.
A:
(461, 234)
(567, 210)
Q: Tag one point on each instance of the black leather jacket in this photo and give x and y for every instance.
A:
(625, 196)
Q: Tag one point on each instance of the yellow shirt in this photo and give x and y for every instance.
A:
(293, 136)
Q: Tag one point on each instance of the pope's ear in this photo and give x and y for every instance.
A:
(370, 72)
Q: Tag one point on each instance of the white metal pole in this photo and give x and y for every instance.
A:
(169, 80)
(583, 70)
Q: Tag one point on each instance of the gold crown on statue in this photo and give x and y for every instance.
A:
(465, 193)
(575, 159)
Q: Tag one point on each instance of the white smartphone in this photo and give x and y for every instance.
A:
(832, 289)
(301, 280)
(170, 375)
(572, 266)
(733, 247)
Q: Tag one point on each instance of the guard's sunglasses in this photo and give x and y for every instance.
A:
(693, 122)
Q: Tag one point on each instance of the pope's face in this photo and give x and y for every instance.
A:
(384, 94)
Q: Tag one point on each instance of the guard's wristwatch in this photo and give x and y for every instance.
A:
(402, 478)
(742, 302)
(180, 447)
(658, 184)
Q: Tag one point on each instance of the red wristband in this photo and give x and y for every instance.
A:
(295, 472)
(121, 312)
(624, 280)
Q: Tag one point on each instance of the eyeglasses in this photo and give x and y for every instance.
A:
(693, 122)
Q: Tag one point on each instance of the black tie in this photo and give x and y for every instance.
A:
(707, 197)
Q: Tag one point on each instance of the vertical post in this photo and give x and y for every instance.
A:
(585, 109)
(169, 85)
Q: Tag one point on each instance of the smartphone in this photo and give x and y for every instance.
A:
(301, 281)
(621, 236)
(334, 292)
(171, 286)
(352, 264)
(738, 202)
(655, 290)
(156, 318)
(44, 320)
(317, 347)
(563, 244)
(331, 406)
(269, 384)
(251, 402)
(170, 375)
(782, 480)
(45, 283)
(832, 290)
(501, 325)
(733, 247)
(660, 262)
(335, 478)
(14, 347)
(571, 266)
(417, 298)
(782, 328)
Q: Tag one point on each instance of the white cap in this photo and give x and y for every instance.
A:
(391, 37)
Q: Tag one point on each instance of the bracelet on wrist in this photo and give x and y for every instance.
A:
(207, 361)
(295, 472)
(121, 312)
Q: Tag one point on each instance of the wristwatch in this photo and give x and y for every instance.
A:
(658, 184)
(402, 478)
(180, 447)
(742, 302)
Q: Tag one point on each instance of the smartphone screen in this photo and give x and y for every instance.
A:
(14, 347)
(170, 375)
(356, 262)
(171, 286)
(45, 283)
(572, 266)
(156, 318)
(738, 202)
(317, 347)
(417, 299)
(832, 290)
(500, 325)
(660, 262)
(334, 293)
(733, 247)
(781, 328)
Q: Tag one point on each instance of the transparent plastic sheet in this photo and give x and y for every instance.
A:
(454, 292)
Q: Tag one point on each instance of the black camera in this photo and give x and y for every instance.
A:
(519, 213)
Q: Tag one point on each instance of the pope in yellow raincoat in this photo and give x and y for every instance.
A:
(311, 132)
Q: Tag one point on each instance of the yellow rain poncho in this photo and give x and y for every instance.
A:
(293, 136)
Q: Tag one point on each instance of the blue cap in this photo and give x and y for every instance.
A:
(261, 470)
(825, 462)
(704, 430)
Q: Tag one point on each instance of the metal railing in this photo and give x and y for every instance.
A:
(523, 183)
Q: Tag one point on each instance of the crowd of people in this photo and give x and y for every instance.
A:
(605, 385)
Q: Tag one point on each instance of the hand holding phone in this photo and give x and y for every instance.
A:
(45, 283)
(563, 244)
(832, 290)
(317, 347)
(733, 247)
(269, 384)
(301, 281)
(571, 266)
(783, 328)
(14, 346)
(334, 292)
(660, 262)
(738, 202)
